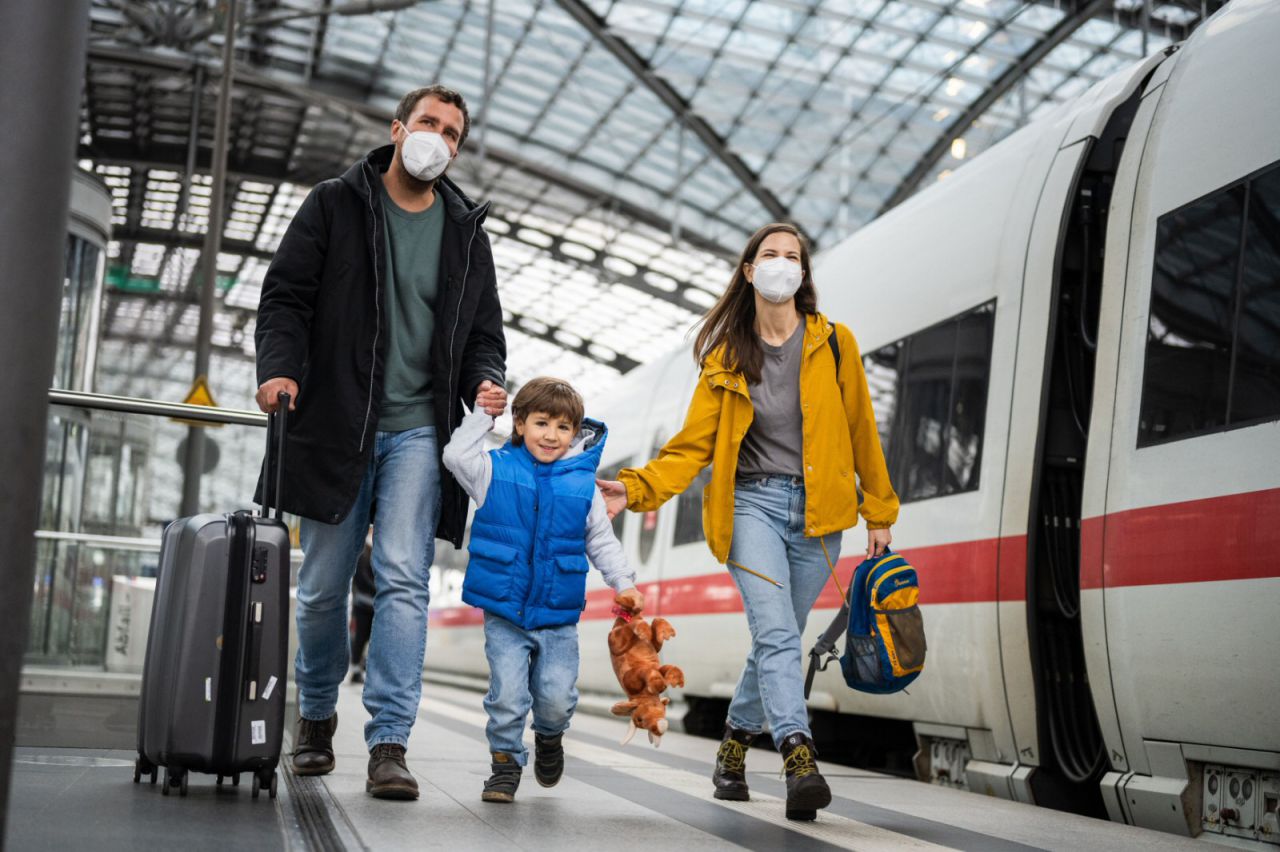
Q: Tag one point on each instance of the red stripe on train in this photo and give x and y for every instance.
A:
(949, 573)
(1222, 538)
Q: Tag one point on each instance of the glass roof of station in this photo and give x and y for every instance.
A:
(628, 147)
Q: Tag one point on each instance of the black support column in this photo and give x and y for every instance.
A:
(42, 60)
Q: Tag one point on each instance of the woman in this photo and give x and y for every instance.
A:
(785, 428)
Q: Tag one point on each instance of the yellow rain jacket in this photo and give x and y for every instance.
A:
(840, 439)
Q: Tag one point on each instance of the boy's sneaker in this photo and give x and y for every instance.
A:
(502, 784)
(548, 759)
(389, 777)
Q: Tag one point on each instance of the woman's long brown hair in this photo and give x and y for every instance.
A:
(731, 320)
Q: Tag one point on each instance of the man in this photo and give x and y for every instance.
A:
(379, 315)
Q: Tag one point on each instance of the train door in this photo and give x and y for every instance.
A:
(1064, 263)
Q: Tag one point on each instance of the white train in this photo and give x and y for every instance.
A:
(1074, 344)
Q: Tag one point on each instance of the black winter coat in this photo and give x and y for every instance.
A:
(322, 324)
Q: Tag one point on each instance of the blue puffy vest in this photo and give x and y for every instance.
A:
(528, 541)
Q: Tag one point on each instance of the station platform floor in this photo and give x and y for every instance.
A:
(611, 795)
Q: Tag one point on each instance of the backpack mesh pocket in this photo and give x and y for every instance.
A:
(903, 633)
(861, 660)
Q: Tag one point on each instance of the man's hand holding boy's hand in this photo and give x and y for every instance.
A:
(492, 398)
(632, 600)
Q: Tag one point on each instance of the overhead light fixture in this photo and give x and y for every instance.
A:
(959, 148)
(954, 85)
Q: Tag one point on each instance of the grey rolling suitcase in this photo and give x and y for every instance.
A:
(213, 684)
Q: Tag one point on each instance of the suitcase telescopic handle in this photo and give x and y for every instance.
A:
(273, 465)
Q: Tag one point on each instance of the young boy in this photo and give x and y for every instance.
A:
(538, 519)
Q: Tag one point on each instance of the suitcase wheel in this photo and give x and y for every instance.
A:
(142, 766)
(235, 780)
(257, 785)
(274, 776)
(219, 782)
(182, 789)
(164, 791)
(154, 773)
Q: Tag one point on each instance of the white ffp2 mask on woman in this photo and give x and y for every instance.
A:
(425, 155)
(777, 279)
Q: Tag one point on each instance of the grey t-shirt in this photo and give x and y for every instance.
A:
(774, 444)
(413, 269)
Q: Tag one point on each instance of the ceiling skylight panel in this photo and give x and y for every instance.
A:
(907, 16)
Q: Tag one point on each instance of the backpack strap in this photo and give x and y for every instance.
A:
(826, 646)
(835, 348)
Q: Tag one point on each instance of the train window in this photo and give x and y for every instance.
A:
(1255, 383)
(929, 392)
(1213, 352)
(611, 472)
(689, 510)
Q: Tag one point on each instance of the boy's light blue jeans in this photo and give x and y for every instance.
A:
(769, 537)
(528, 669)
(403, 479)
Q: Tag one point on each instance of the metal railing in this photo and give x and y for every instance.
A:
(134, 405)
(107, 492)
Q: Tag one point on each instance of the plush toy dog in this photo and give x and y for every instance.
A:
(634, 645)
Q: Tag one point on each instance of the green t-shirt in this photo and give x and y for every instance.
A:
(413, 271)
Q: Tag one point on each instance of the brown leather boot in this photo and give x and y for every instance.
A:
(313, 746)
(389, 777)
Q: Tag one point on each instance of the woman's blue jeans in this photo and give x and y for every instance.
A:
(403, 479)
(769, 537)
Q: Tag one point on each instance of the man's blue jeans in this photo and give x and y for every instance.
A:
(403, 479)
(769, 537)
(528, 669)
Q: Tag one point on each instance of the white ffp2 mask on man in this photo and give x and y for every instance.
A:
(425, 155)
(777, 279)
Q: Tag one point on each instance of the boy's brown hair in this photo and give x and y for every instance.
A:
(555, 397)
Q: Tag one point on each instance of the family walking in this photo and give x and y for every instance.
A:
(380, 317)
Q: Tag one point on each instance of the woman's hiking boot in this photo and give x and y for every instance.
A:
(389, 776)
(502, 784)
(313, 746)
(807, 790)
(548, 759)
(730, 776)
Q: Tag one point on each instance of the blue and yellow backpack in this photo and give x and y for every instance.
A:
(881, 616)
